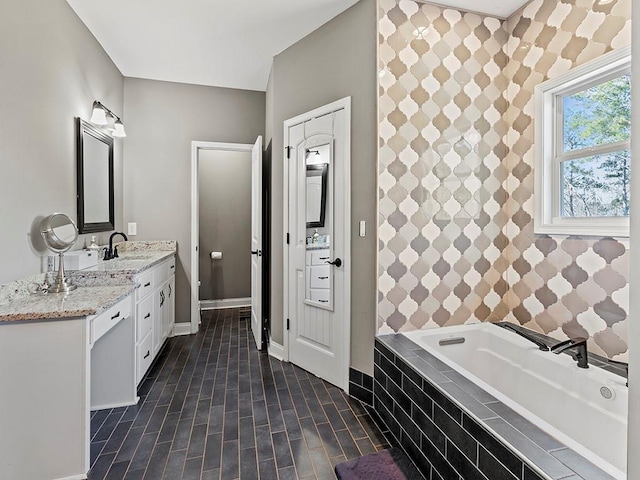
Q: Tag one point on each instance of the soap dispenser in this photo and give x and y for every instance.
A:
(93, 245)
(316, 236)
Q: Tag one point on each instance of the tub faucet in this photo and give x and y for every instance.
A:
(509, 326)
(110, 253)
(579, 345)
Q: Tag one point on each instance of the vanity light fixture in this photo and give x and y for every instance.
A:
(99, 117)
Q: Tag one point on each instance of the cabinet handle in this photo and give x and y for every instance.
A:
(324, 258)
(323, 278)
(148, 353)
(323, 301)
(170, 291)
(115, 316)
(147, 284)
(147, 315)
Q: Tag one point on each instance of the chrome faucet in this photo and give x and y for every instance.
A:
(111, 252)
(509, 326)
(580, 346)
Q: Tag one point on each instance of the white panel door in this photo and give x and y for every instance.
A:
(256, 242)
(318, 336)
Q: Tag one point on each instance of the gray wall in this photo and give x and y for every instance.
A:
(52, 70)
(335, 61)
(225, 224)
(163, 118)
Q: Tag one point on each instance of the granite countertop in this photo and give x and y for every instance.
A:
(99, 287)
(131, 262)
(81, 302)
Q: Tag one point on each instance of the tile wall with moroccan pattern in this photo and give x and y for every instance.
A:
(456, 241)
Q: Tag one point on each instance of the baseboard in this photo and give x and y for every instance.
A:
(225, 303)
(276, 350)
(74, 477)
(115, 405)
(182, 329)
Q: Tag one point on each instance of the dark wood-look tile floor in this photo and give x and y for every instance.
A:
(214, 407)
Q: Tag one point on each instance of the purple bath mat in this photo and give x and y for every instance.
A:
(391, 464)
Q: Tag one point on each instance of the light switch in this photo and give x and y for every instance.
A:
(363, 228)
(132, 228)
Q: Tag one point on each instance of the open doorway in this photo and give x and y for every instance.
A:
(224, 216)
(226, 229)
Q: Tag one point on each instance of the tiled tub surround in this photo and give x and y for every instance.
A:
(456, 173)
(361, 386)
(456, 430)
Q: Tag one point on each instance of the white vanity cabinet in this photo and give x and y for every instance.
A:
(318, 281)
(53, 372)
(155, 312)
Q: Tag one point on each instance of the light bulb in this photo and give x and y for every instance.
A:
(99, 115)
(118, 129)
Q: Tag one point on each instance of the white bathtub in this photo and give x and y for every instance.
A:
(547, 389)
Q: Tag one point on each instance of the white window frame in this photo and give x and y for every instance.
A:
(547, 217)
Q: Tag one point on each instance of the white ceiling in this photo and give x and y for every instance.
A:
(225, 43)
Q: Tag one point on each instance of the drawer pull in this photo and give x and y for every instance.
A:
(323, 278)
(147, 315)
(115, 316)
(323, 301)
(147, 284)
(324, 258)
(170, 291)
(147, 354)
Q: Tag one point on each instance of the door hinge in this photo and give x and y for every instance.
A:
(288, 239)
(287, 324)
(288, 149)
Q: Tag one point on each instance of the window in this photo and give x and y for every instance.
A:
(583, 152)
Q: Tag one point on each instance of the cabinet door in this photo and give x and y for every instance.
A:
(169, 306)
(158, 314)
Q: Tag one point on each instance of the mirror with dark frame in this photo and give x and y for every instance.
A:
(95, 179)
(316, 194)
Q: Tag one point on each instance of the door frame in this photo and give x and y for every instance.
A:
(345, 171)
(196, 147)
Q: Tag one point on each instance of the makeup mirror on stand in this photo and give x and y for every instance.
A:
(59, 234)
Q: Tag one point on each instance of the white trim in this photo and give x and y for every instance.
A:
(546, 217)
(73, 477)
(115, 405)
(195, 149)
(180, 329)
(276, 350)
(342, 104)
(225, 303)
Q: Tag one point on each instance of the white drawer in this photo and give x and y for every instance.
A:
(144, 317)
(160, 274)
(319, 276)
(144, 356)
(164, 271)
(320, 295)
(319, 257)
(171, 267)
(147, 284)
(104, 322)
